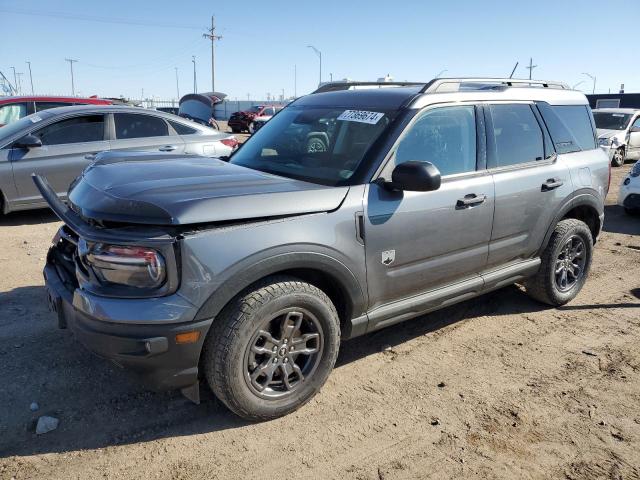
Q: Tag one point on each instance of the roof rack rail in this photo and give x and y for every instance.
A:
(346, 85)
(441, 85)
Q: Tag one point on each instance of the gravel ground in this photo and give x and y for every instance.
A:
(496, 387)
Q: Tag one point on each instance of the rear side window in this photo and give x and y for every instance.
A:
(46, 105)
(89, 128)
(132, 125)
(182, 129)
(443, 136)
(517, 134)
(569, 126)
(578, 120)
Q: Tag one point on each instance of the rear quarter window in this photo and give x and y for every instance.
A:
(570, 127)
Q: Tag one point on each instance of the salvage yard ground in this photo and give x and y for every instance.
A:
(496, 387)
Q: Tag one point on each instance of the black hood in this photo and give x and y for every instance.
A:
(170, 190)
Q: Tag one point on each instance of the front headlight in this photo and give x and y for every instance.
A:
(124, 265)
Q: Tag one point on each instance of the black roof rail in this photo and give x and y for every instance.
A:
(457, 84)
(346, 85)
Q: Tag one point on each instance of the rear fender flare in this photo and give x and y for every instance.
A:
(582, 197)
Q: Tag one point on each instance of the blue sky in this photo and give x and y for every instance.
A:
(138, 44)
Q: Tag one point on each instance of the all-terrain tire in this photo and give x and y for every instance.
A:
(543, 286)
(231, 338)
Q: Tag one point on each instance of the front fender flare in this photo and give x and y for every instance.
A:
(251, 270)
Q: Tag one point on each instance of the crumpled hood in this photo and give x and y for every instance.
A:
(604, 133)
(170, 190)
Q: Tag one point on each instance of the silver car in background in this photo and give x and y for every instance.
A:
(59, 143)
(618, 133)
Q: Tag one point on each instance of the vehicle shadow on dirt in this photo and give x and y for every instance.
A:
(30, 217)
(617, 221)
(98, 405)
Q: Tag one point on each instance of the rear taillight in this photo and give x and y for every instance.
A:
(230, 142)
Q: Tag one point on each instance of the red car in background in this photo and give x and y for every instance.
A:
(14, 108)
(240, 121)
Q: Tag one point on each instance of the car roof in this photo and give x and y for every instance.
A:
(55, 98)
(110, 109)
(385, 98)
(617, 110)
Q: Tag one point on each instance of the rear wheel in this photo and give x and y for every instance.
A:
(618, 157)
(565, 264)
(272, 348)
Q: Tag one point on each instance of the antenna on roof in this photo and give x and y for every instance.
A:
(514, 70)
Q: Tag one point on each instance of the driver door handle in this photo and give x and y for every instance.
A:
(551, 184)
(470, 200)
(167, 148)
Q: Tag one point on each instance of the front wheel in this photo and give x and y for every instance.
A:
(272, 348)
(565, 264)
(618, 157)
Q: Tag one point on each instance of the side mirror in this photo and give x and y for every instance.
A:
(28, 141)
(416, 176)
(634, 130)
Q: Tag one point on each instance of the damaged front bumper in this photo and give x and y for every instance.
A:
(138, 334)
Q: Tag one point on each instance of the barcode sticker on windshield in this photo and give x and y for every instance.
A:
(361, 116)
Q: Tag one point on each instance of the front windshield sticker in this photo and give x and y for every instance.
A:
(617, 115)
(35, 118)
(360, 116)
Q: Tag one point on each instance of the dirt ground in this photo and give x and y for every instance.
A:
(496, 387)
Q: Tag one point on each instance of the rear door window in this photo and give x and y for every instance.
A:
(133, 125)
(87, 128)
(517, 135)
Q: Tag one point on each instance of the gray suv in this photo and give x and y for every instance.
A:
(248, 273)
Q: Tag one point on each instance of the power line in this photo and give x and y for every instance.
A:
(90, 18)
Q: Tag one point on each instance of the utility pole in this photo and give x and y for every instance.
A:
(319, 53)
(195, 85)
(19, 74)
(531, 67)
(295, 81)
(73, 87)
(213, 37)
(592, 77)
(15, 79)
(177, 86)
(30, 77)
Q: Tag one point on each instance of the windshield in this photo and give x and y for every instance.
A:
(254, 109)
(321, 145)
(611, 121)
(11, 113)
(21, 125)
